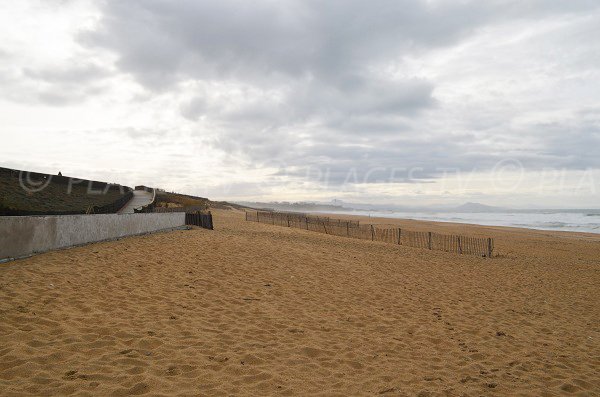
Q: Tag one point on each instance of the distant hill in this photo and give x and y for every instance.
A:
(32, 193)
(338, 205)
(295, 207)
(175, 200)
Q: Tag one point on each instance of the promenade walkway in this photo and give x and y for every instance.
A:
(140, 198)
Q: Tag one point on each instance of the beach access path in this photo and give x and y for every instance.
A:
(140, 198)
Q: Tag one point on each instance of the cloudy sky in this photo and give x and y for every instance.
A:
(392, 101)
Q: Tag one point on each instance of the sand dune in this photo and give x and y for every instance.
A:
(255, 309)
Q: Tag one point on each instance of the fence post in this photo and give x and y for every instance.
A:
(325, 227)
(459, 246)
(273, 218)
(489, 247)
(399, 235)
(372, 233)
(347, 229)
(429, 239)
(288, 220)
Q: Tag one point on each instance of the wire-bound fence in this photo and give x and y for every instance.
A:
(203, 220)
(393, 235)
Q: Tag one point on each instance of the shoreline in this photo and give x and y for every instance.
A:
(258, 309)
(376, 220)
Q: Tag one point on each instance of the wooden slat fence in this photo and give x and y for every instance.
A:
(199, 219)
(388, 234)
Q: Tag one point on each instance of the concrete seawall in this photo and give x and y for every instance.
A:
(25, 235)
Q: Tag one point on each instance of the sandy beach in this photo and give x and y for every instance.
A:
(255, 309)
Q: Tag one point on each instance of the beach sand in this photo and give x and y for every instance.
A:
(255, 309)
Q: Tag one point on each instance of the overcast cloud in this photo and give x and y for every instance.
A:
(305, 100)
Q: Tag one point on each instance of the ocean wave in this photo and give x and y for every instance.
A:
(567, 221)
(556, 224)
(545, 224)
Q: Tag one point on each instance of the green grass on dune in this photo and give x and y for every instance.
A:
(55, 197)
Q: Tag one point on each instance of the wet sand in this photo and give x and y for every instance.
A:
(255, 309)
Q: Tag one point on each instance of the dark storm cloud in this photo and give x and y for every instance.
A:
(64, 85)
(362, 98)
(571, 146)
(318, 79)
(161, 41)
(57, 85)
(267, 40)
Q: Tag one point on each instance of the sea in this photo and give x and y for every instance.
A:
(560, 220)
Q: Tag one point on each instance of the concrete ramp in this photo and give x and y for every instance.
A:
(140, 199)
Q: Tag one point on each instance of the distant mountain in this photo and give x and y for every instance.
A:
(294, 207)
(337, 205)
(477, 207)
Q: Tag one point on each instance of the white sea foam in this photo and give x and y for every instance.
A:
(575, 221)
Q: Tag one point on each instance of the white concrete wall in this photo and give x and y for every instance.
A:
(25, 235)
